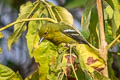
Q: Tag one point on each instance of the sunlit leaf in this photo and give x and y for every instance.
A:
(63, 15)
(110, 3)
(82, 67)
(109, 12)
(45, 55)
(21, 27)
(24, 12)
(7, 74)
(32, 35)
(117, 19)
(90, 58)
(116, 15)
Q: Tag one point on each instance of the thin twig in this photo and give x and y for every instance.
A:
(113, 42)
(72, 63)
(24, 20)
(103, 44)
(50, 10)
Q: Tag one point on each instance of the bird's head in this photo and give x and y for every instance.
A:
(43, 32)
(48, 29)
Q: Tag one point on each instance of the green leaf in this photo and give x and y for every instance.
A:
(7, 74)
(74, 3)
(45, 55)
(117, 19)
(1, 35)
(85, 22)
(32, 35)
(63, 15)
(21, 27)
(52, 77)
(94, 37)
(24, 12)
(116, 15)
(110, 3)
(110, 67)
(34, 27)
(98, 76)
(109, 33)
(109, 12)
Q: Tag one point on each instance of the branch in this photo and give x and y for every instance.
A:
(72, 63)
(113, 42)
(49, 10)
(24, 20)
(103, 44)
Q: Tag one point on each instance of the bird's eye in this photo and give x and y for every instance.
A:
(45, 33)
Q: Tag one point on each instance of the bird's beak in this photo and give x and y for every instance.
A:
(41, 39)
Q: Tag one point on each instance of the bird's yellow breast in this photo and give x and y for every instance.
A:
(58, 37)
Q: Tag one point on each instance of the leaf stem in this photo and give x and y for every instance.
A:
(103, 44)
(25, 20)
(50, 10)
(72, 64)
(113, 42)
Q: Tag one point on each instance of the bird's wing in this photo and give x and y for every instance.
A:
(74, 35)
(71, 32)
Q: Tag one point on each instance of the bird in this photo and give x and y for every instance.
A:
(60, 33)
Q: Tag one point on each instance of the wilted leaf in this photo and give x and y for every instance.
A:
(63, 15)
(67, 64)
(7, 74)
(90, 58)
(45, 55)
(82, 67)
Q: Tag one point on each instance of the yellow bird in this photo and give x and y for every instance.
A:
(60, 33)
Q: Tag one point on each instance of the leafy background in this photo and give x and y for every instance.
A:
(89, 20)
